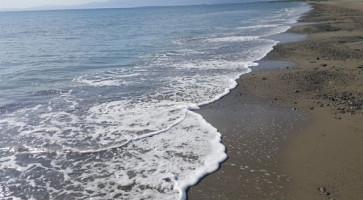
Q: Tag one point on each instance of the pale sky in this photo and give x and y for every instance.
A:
(20, 4)
(44, 4)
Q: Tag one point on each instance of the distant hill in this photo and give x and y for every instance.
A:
(141, 3)
(137, 3)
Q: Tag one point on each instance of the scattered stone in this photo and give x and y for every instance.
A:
(324, 65)
(344, 102)
(338, 118)
(360, 67)
(324, 191)
(294, 108)
(317, 58)
(167, 180)
(297, 91)
(264, 78)
(312, 108)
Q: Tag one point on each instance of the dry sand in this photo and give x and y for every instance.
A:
(296, 133)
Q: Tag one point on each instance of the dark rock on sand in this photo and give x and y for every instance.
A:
(323, 190)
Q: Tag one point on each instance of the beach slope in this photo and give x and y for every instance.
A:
(296, 132)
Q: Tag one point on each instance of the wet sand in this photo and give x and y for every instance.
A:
(296, 132)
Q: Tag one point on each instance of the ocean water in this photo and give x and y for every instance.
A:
(98, 104)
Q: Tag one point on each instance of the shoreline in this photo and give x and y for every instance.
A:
(281, 126)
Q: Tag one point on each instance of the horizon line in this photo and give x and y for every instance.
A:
(131, 7)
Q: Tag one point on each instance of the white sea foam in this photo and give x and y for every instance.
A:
(233, 39)
(259, 26)
(153, 137)
(109, 78)
(177, 158)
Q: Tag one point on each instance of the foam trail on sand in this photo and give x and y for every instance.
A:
(212, 161)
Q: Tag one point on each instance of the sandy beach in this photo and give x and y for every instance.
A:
(295, 131)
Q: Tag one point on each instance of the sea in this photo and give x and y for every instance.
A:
(99, 103)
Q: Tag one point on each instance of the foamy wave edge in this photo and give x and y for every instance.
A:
(218, 154)
(222, 156)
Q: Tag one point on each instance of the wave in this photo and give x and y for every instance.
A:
(259, 26)
(233, 39)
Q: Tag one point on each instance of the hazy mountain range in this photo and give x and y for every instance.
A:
(140, 3)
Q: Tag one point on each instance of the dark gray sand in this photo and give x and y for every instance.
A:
(253, 131)
(275, 151)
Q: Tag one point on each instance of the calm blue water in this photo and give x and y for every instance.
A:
(97, 103)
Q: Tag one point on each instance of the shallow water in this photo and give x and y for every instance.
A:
(98, 103)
